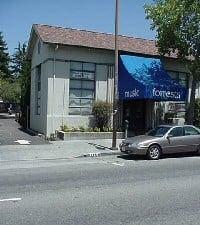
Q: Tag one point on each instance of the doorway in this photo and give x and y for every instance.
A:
(135, 112)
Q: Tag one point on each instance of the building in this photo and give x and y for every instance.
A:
(71, 68)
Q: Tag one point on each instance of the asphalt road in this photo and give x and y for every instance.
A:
(10, 132)
(104, 190)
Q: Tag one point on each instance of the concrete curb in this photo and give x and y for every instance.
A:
(36, 159)
(98, 154)
(92, 154)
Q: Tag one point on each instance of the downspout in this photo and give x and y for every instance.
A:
(63, 105)
(54, 76)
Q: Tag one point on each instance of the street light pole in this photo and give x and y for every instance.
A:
(115, 90)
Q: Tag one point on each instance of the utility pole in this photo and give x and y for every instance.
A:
(115, 90)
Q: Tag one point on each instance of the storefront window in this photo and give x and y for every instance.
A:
(82, 88)
(179, 108)
(182, 78)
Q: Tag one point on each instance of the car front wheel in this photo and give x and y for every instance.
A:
(154, 152)
(197, 152)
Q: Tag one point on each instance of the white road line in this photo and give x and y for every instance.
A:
(23, 142)
(10, 200)
(117, 164)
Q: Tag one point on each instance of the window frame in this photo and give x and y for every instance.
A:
(173, 128)
(81, 107)
(198, 132)
(177, 78)
(178, 73)
(38, 89)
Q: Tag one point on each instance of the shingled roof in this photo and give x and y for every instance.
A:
(75, 37)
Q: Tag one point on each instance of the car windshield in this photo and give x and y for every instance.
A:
(158, 131)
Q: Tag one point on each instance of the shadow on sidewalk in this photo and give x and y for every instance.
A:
(132, 157)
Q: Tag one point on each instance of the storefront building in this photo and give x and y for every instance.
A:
(73, 68)
(144, 81)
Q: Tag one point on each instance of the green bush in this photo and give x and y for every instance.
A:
(74, 129)
(89, 129)
(65, 128)
(102, 114)
(197, 112)
(105, 129)
(96, 129)
(82, 128)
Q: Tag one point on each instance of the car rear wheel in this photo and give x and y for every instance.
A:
(154, 152)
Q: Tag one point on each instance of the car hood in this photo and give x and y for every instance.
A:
(139, 139)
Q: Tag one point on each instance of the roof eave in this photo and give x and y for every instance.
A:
(32, 39)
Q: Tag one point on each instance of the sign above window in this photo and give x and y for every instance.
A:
(76, 74)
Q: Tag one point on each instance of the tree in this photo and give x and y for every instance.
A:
(197, 112)
(15, 85)
(18, 59)
(21, 69)
(25, 84)
(9, 91)
(4, 58)
(177, 23)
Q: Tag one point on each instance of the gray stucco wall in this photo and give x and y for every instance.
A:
(38, 122)
(58, 100)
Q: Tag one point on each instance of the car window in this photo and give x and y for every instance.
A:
(158, 131)
(176, 132)
(190, 131)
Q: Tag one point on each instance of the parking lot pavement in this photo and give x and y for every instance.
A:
(12, 134)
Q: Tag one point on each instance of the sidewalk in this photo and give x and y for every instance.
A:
(58, 150)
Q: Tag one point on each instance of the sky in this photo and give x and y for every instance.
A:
(17, 17)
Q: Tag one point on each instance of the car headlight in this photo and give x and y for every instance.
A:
(131, 145)
(141, 145)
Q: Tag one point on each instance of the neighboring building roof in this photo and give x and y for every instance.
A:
(75, 37)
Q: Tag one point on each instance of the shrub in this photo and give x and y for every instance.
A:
(89, 129)
(74, 129)
(82, 128)
(102, 113)
(64, 128)
(96, 129)
(107, 129)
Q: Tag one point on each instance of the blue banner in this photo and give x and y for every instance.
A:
(146, 78)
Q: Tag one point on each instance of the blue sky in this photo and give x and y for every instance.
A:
(17, 17)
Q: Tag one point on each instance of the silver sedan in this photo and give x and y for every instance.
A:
(164, 139)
